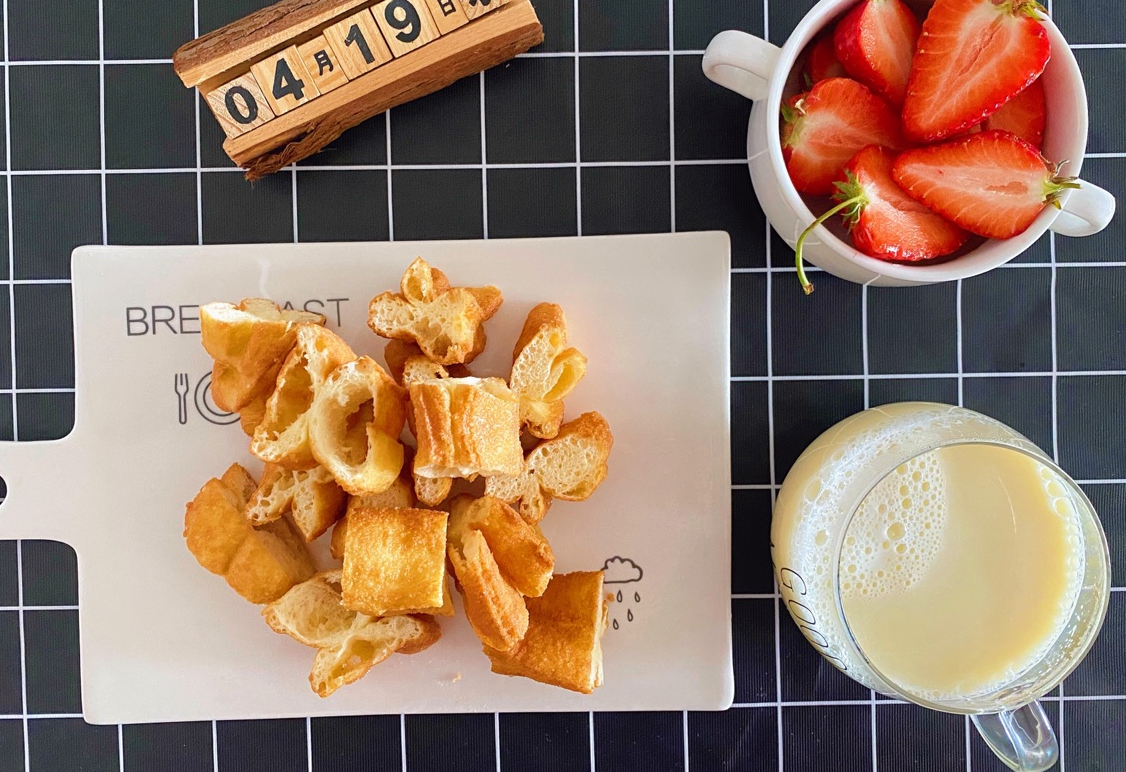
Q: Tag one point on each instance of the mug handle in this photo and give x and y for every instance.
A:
(1087, 211)
(741, 62)
(1022, 738)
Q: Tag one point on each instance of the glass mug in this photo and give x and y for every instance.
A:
(936, 555)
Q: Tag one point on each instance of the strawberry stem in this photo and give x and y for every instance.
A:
(1058, 184)
(799, 262)
(1029, 8)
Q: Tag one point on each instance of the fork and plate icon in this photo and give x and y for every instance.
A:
(201, 397)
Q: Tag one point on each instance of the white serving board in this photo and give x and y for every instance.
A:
(164, 640)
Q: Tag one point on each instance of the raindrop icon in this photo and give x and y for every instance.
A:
(615, 624)
(619, 596)
(629, 615)
(636, 598)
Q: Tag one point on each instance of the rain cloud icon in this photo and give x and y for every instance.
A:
(621, 570)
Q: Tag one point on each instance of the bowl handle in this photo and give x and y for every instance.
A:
(1086, 211)
(1022, 738)
(741, 62)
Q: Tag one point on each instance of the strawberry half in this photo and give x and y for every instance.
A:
(973, 57)
(885, 222)
(827, 126)
(822, 63)
(875, 43)
(993, 184)
(1025, 115)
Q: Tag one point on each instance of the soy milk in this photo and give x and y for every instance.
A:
(958, 572)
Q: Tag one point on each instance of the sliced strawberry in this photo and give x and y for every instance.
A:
(889, 224)
(1025, 115)
(993, 184)
(885, 222)
(826, 127)
(875, 43)
(973, 57)
(822, 63)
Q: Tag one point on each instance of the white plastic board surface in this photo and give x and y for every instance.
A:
(164, 640)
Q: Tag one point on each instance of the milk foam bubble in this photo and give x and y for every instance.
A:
(896, 535)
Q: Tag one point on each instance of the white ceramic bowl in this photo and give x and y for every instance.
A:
(766, 74)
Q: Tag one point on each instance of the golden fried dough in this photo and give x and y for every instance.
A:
(569, 467)
(563, 644)
(248, 343)
(354, 425)
(466, 427)
(394, 561)
(399, 496)
(447, 323)
(283, 436)
(406, 363)
(313, 498)
(544, 370)
(260, 564)
(521, 551)
(497, 559)
(348, 643)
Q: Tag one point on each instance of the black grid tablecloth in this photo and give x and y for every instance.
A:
(609, 127)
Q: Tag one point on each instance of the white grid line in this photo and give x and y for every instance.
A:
(15, 409)
(496, 739)
(590, 741)
(441, 167)
(771, 457)
(484, 169)
(309, 743)
(403, 741)
(105, 223)
(1056, 414)
(19, 589)
(689, 52)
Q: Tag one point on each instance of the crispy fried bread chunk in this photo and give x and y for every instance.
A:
(466, 427)
(563, 645)
(521, 551)
(447, 323)
(432, 491)
(409, 366)
(544, 370)
(248, 343)
(355, 421)
(260, 564)
(313, 497)
(399, 496)
(348, 644)
(394, 561)
(283, 435)
(569, 467)
(251, 415)
(497, 559)
(406, 363)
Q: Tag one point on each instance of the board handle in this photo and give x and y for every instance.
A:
(39, 502)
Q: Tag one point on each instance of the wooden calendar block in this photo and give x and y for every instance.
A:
(240, 105)
(273, 140)
(475, 8)
(284, 80)
(358, 44)
(322, 64)
(405, 24)
(447, 15)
